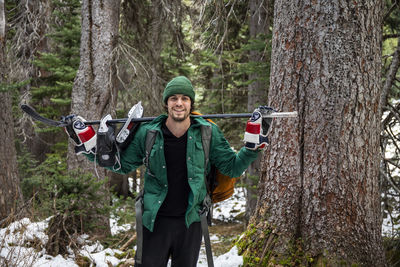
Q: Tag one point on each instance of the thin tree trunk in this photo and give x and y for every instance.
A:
(391, 75)
(319, 194)
(156, 39)
(259, 23)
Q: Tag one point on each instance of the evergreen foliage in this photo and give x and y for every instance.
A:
(392, 22)
(70, 198)
(55, 189)
(51, 92)
(51, 96)
(6, 87)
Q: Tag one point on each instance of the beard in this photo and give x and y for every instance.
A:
(179, 118)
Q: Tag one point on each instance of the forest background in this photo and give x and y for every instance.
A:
(62, 57)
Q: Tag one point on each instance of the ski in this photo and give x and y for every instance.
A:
(33, 113)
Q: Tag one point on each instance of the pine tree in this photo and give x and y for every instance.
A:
(59, 66)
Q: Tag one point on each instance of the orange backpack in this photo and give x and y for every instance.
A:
(219, 186)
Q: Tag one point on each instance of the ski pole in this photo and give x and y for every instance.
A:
(32, 112)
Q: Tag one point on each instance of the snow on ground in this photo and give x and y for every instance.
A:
(227, 210)
(22, 243)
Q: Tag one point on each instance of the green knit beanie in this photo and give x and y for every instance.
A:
(179, 85)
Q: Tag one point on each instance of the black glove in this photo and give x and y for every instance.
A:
(107, 150)
(266, 121)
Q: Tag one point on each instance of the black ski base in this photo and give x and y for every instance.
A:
(33, 113)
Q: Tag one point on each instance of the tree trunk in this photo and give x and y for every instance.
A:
(119, 184)
(93, 94)
(319, 192)
(259, 21)
(10, 193)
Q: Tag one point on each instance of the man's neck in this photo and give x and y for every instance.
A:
(178, 128)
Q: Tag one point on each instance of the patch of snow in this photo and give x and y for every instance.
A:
(103, 257)
(58, 261)
(116, 229)
(228, 209)
(229, 259)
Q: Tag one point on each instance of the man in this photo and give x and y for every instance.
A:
(174, 184)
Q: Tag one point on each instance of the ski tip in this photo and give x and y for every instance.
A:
(26, 108)
(32, 112)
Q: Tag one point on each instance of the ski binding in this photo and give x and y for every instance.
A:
(135, 112)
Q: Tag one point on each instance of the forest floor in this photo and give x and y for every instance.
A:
(23, 242)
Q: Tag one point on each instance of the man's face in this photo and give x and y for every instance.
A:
(179, 107)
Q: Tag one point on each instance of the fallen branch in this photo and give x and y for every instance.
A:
(127, 243)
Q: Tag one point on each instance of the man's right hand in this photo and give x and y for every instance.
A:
(84, 136)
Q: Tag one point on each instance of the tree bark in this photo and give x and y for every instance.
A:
(93, 94)
(319, 192)
(10, 192)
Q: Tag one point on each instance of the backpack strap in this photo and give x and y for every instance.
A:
(206, 131)
(139, 227)
(151, 136)
(206, 235)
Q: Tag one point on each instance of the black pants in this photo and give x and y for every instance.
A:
(172, 238)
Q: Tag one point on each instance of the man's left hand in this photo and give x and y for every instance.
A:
(257, 128)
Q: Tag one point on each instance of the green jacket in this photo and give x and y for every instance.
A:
(155, 187)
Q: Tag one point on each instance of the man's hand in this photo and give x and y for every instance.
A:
(257, 128)
(83, 136)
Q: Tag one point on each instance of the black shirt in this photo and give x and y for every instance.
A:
(176, 201)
